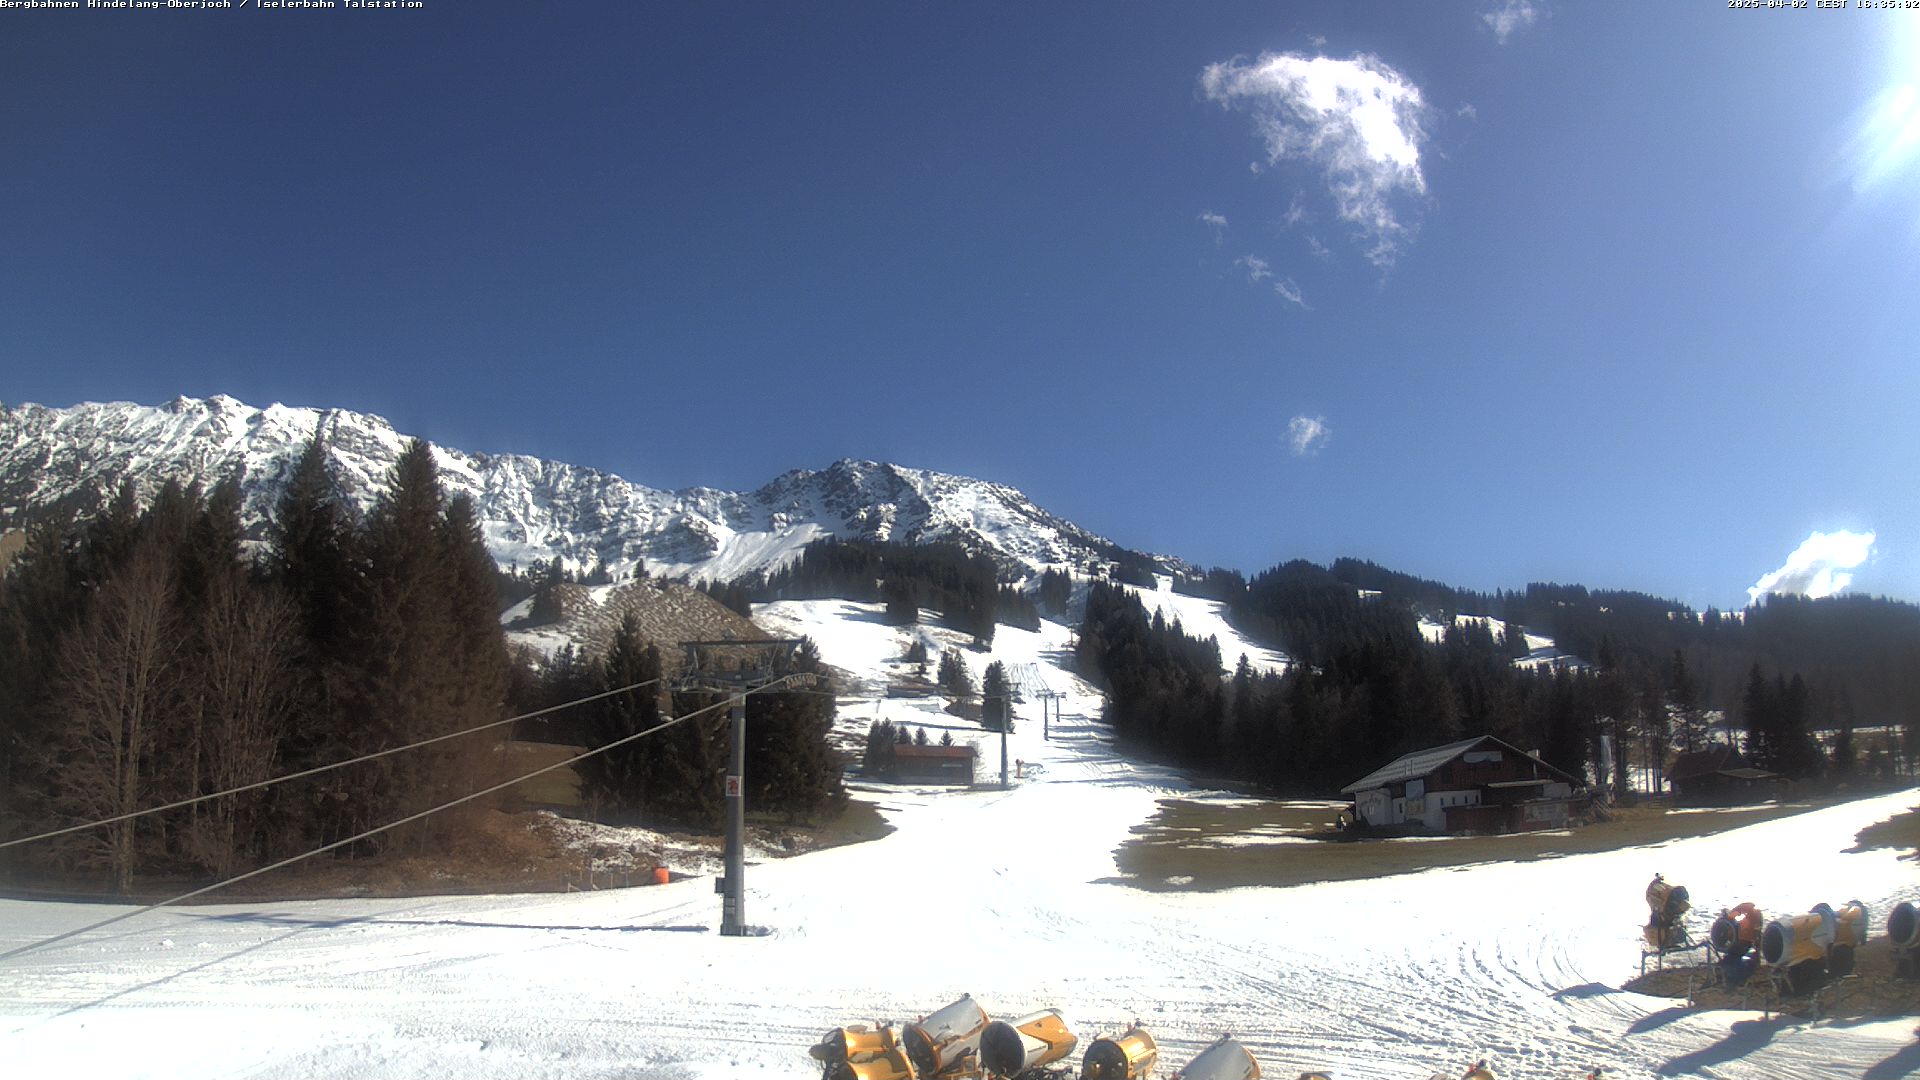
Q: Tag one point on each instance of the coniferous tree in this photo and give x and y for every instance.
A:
(624, 779)
(996, 704)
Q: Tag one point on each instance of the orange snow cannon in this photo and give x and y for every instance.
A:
(1122, 1057)
(858, 1052)
(947, 1042)
(1224, 1060)
(1849, 934)
(1667, 905)
(1737, 932)
(1010, 1048)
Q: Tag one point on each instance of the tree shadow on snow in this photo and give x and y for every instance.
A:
(369, 920)
(1904, 1062)
(1584, 990)
(1656, 1020)
(1742, 1039)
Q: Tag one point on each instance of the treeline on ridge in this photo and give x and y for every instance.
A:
(964, 587)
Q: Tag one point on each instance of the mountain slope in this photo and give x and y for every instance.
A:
(530, 508)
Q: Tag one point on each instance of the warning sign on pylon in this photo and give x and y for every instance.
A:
(733, 787)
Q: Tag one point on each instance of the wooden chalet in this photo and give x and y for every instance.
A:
(915, 764)
(1478, 785)
(1721, 776)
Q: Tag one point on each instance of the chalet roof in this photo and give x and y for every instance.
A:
(1721, 760)
(1421, 762)
(912, 750)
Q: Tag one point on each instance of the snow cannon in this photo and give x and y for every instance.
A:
(1224, 1060)
(947, 1041)
(1123, 1057)
(1668, 904)
(1798, 946)
(1009, 1048)
(1849, 933)
(1903, 925)
(1737, 932)
(858, 1052)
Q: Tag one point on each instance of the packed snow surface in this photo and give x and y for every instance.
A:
(1009, 895)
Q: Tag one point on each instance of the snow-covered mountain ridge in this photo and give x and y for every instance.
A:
(530, 508)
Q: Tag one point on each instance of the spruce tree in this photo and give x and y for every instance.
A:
(996, 704)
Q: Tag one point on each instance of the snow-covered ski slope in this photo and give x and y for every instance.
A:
(1004, 894)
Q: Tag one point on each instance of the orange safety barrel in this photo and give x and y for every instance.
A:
(1122, 1057)
(662, 875)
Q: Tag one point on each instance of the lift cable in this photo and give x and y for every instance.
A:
(318, 769)
(376, 830)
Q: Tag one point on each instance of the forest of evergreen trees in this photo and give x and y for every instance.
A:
(145, 659)
(1369, 687)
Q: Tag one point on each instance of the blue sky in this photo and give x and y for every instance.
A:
(1490, 292)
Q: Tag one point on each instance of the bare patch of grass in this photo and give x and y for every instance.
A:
(1871, 992)
(1200, 846)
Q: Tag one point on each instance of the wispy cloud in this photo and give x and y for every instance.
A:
(1296, 212)
(1818, 567)
(1509, 17)
(1215, 223)
(1255, 266)
(1466, 111)
(1307, 434)
(1286, 289)
(1318, 249)
(1357, 120)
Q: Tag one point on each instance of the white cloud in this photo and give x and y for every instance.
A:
(1466, 111)
(1818, 567)
(1288, 290)
(1307, 434)
(1215, 223)
(1357, 120)
(1318, 249)
(1509, 17)
(1255, 266)
(1296, 212)
(1317, 41)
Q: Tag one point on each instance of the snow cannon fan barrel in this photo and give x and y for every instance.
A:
(1667, 905)
(858, 1052)
(945, 1038)
(1903, 925)
(1009, 1048)
(1224, 1060)
(1798, 939)
(1737, 931)
(851, 1042)
(1123, 1057)
(1849, 933)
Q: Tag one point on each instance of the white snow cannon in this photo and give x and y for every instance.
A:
(859, 1052)
(1224, 1060)
(1797, 946)
(1668, 904)
(1849, 934)
(1009, 1048)
(1738, 931)
(1122, 1057)
(1903, 926)
(948, 1041)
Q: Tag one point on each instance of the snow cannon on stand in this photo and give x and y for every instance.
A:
(947, 1043)
(1849, 934)
(1737, 931)
(859, 1052)
(1668, 904)
(1010, 1048)
(1665, 932)
(1224, 1060)
(1903, 927)
(1477, 1071)
(1122, 1057)
(1796, 949)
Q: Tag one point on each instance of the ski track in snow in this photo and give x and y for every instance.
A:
(1009, 895)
